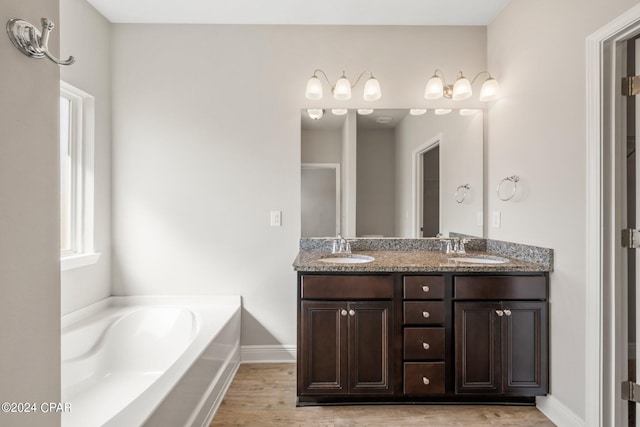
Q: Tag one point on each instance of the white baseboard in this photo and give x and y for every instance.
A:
(268, 354)
(557, 412)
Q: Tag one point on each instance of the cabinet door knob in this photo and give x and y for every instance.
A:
(500, 313)
(352, 313)
(426, 314)
(507, 312)
(343, 312)
(425, 289)
(425, 381)
(426, 345)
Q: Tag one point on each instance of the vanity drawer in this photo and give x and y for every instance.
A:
(500, 287)
(424, 378)
(340, 287)
(424, 312)
(423, 287)
(423, 343)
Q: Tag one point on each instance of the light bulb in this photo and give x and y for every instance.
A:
(365, 111)
(417, 111)
(314, 88)
(339, 111)
(468, 111)
(372, 90)
(342, 89)
(434, 88)
(461, 89)
(442, 111)
(490, 90)
(315, 113)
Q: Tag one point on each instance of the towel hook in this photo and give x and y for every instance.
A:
(31, 42)
(461, 192)
(513, 179)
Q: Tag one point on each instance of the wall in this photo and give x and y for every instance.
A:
(206, 141)
(538, 133)
(86, 35)
(321, 146)
(461, 154)
(375, 182)
(29, 222)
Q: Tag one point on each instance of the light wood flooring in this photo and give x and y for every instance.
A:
(265, 395)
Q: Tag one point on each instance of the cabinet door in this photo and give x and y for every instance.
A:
(323, 355)
(477, 347)
(370, 344)
(524, 354)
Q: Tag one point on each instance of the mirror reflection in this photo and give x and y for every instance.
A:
(391, 173)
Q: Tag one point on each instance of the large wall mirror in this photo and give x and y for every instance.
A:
(391, 173)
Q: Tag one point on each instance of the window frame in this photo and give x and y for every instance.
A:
(81, 142)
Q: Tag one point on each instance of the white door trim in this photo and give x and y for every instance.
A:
(418, 184)
(601, 237)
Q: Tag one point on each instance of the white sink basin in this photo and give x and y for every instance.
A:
(480, 260)
(347, 259)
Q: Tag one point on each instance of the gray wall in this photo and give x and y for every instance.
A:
(29, 222)
(86, 34)
(539, 134)
(205, 146)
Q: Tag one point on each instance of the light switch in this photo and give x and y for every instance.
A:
(276, 218)
(495, 219)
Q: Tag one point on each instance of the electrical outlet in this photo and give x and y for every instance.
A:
(496, 219)
(276, 218)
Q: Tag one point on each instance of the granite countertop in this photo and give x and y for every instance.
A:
(414, 261)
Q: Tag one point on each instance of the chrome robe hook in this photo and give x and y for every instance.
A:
(32, 42)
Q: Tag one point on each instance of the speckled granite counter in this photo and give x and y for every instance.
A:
(422, 255)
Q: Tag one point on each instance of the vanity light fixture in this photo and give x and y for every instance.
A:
(442, 111)
(339, 111)
(365, 111)
(417, 111)
(341, 90)
(315, 113)
(437, 87)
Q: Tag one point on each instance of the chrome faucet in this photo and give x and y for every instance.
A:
(455, 246)
(341, 245)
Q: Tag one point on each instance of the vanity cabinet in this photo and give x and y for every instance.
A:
(345, 335)
(501, 335)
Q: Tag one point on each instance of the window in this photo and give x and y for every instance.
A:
(76, 177)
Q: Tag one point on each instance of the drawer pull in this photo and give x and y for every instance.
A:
(343, 312)
(426, 345)
(500, 313)
(352, 312)
(507, 312)
(425, 380)
(426, 314)
(425, 289)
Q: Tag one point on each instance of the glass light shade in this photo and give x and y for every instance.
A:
(372, 90)
(315, 113)
(339, 111)
(442, 111)
(434, 88)
(490, 90)
(365, 111)
(461, 89)
(417, 111)
(342, 89)
(314, 89)
(468, 111)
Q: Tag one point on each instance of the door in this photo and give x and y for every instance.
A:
(431, 192)
(524, 348)
(323, 349)
(370, 347)
(320, 199)
(477, 347)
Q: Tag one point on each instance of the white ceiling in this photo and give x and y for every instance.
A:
(302, 12)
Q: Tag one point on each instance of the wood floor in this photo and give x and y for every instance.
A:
(265, 395)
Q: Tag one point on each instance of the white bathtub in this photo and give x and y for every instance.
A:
(160, 361)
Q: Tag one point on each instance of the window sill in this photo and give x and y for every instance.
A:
(79, 260)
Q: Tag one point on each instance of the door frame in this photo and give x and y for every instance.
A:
(336, 167)
(417, 202)
(605, 313)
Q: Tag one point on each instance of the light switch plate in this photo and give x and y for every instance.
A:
(495, 219)
(276, 218)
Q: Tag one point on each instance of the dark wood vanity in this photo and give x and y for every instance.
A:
(436, 337)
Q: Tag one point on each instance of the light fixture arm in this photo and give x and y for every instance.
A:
(315, 72)
(360, 76)
(479, 74)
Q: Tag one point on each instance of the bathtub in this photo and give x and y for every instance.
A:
(158, 361)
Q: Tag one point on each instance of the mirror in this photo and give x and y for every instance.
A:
(392, 174)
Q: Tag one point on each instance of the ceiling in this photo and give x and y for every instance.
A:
(300, 12)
